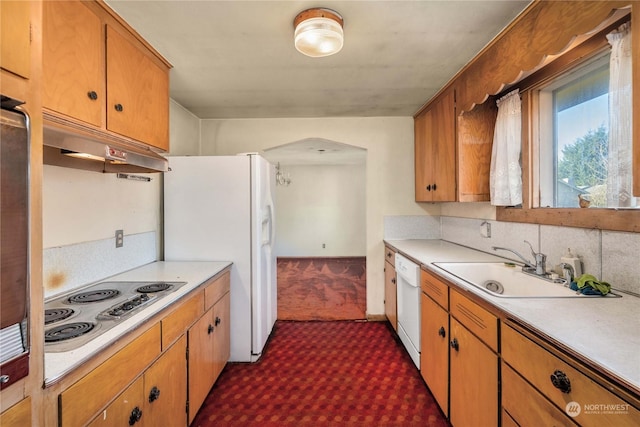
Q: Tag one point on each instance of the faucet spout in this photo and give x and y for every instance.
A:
(541, 259)
(526, 261)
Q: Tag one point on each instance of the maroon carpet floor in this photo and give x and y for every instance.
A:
(340, 373)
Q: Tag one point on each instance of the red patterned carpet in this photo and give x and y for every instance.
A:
(322, 288)
(346, 373)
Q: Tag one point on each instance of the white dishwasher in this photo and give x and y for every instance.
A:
(408, 285)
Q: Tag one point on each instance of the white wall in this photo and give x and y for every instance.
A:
(323, 205)
(389, 168)
(81, 206)
(184, 131)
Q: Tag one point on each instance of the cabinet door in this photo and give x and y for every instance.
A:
(390, 295)
(434, 352)
(137, 93)
(200, 364)
(72, 61)
(444, 150)
(15, 33)
(165, 388)
(473, 380)
(423, 126)
(19, 415)
(126, 410)
(221, 335)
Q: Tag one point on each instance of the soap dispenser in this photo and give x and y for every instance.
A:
(573, 261)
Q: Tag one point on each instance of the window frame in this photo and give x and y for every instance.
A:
(595, 218)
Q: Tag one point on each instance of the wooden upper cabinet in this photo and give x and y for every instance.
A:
(72, 61)
(435, 151)
(137, 93)
(15, 33)
(97, 71)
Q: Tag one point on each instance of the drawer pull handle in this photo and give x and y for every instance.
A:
(218, 321)
(434, 187)
(4, 379)
(209, 329)
(118, 107)
(560, 381)
(393, 280)
(154, 394)
(429, 187)
(455, 345)
(442, 332)
(135, 416)
(388, 254)
(92, 95)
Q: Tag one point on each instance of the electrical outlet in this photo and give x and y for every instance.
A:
(119, 238)
(485, 229)
(323, 246)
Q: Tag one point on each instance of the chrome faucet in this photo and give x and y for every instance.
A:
(540, 266)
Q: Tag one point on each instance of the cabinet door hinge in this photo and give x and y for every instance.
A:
(186, 353)
(30, 33)
(186, 407)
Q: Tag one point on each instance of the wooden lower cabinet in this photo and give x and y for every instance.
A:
(577, 396)
(125, 410)
(473, 380)
(390, 294)
(19, 415)
(165, 388)
(434, 354)
(209, 350)
(177, 358)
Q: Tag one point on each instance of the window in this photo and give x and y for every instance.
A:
(574, 123)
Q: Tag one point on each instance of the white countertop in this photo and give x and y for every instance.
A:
(603, 331)
(194, 273)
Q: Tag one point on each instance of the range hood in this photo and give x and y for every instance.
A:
(98, 153)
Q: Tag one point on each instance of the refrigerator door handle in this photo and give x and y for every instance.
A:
(267, 226)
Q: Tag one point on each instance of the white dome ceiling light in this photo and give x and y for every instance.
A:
(318, 32)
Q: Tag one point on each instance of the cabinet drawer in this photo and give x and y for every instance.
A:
(177, 323)
(435, 288)
(478, 320)
(390, 255)
(598, 406)
(526, 406)
(216, 290)
(80, 402)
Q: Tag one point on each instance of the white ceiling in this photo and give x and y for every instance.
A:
(236, 59)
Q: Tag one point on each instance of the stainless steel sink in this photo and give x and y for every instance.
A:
(507, 280)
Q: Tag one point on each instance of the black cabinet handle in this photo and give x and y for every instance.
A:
(560, 381)
(429, 187)
(434, 187)
(455, 345)
(210, 329)
(135, 416)
(442, 332)
(218, 321)
(118, 107)
(92, 95)
(393, 280)
(154, 394)
(388, 254)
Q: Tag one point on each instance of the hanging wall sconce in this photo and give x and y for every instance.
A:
(318, 32)
(281, 178)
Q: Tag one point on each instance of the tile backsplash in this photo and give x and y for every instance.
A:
(70, 267)
(608, 255)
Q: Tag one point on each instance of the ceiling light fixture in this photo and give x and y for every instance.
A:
(318, 32)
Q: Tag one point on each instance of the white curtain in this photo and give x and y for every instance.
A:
(505, 179)
(619, 173)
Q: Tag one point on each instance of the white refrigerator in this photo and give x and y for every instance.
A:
(220, 208)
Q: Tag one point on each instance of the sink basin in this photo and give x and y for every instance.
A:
(507, 280)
